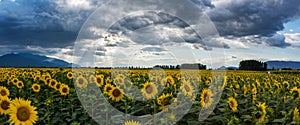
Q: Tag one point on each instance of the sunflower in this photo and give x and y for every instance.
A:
(99, 80)
(286, 84)
(92, 79)
(187, 89)
(15, 81)
(119, 80)
(81, 82)
(20, 84)
(36, 87)
(57, 86)
(21, 112)
(116, 94)
(169, 81)
(295, 93)
(260, 115)
(70, 75)
(52, 83)
(206, 98)
(132, 123)
(149, 90)
(64, 89)
(4, 91)
(4, 105)
(108, 80)
(232, 104)
(295, 114)
(107, 88)
(165, 99)
(36, 78)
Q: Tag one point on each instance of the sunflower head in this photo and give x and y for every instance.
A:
(100, 80)
(295, 114)
(232, 104)
(187, 89)
(52, 83)
(4, 91)
(4, 105)
(107, 88)
(70, 75)
(206, 98)
(261, 113)
(81, 82)
(64, 90)
(22, 112)
(116, 94)
(36, 87)
(295, 93)
(132, 123)
(149, 90)
(20, 84)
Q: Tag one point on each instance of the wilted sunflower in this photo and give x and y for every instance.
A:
(295, 114)
(99, 80)
(20, 84)
(187, 89)
(295, 93)
(70, 75)
(22, 113)
(107, 88)
(232, 104)
(4, 105)
(81, 82)
(116, 94)
(36, 87)
(4, 91)
(132, 123)
(64, 89)
(260, 115)
(149, 90)
(206, 98)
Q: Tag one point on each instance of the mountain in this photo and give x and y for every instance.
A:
(283, 64)
(31, 60)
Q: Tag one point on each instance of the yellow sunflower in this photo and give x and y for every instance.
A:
(92, 79)
(165, 99)
(36, 87)
(57, 86)
(4, 105)
(295, 93)
(260, 116)
(52, 83)
(232, 104)
(99, 80)
(149, 90)
(187, 89)
(81, 82)
(286, 84)
(295, 114)
(4, 91)
(132, 123)
(15, 81)
(64, 89)
(20, 84)
(107, 88)
(22, 113)
(169, 81)
(206, 98)
(70, 75)
(116, 94)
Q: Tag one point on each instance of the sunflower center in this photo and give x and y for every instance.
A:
(23, 114)
(36, 87)
(52, 83)
(166, 102)
(187, 88)
(4, 105)
(231, 103)
(70, 75)
(108, 89)
(15, 81)
(64, 90)
(99, 80)
(149, 89)
(80, 81)
(116, 93)
(19, 84)
(3, 93)
(57, 86)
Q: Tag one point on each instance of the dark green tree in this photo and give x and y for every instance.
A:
(252, 65)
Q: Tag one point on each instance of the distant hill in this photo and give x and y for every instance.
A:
(283, 64)
(31, 60)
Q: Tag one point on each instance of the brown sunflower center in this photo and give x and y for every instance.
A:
(64, 90)
(187, 88)
(3, 93)
(149, 89)
(116, 93)
(57, 86)
(15, 81)
(4, 105)
(52, 83)
(99, 80)
(80, 81)
(166, 102)
(108, 89)
(19, 84)
(231, 103)
(36, 87)
(70, 75)
(23, 114)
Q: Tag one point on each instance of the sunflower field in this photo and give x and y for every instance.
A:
(142, 96)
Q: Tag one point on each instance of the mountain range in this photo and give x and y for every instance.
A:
(31, 60)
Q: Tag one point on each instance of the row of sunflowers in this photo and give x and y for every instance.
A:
(135, 97)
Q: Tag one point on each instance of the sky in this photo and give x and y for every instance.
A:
(146, 33)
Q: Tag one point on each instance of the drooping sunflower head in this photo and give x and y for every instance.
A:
(149, 90)
(232, 104)
(20, 84)
(132, 123)
(64, 89)
(107, 88)
(260, 115)
(170, 80)
(206, 98)
(286, 84)
(4, 105)
(81, 82)
(36, 87)
(295, 93)
(295, 114)
(22, 113)
(99, 80)
(4, 91)
(116, 94)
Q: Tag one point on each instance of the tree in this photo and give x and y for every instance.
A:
(252, 65)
